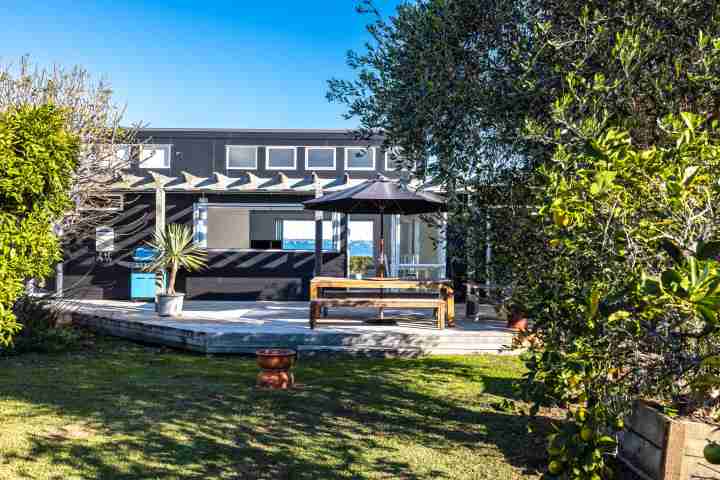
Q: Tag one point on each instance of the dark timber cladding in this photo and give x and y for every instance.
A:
(203, 152)
(241, 192)
(192, 172)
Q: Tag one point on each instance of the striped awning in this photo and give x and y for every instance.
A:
(246, 182)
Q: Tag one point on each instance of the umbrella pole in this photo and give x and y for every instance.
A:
(382, 258)
(382, 246)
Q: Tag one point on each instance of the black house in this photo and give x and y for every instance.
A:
(241, 191)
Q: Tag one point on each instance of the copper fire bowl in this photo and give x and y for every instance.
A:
(276, 358)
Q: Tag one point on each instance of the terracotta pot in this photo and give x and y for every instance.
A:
(517, 321)
(275, 379)
(275, 358)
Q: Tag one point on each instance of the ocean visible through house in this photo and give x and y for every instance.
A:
(358, 248)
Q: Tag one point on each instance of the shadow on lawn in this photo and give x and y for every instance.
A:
(180, 416)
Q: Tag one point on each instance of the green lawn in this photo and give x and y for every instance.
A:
(119, 410)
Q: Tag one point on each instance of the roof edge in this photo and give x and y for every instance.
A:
(250, 130)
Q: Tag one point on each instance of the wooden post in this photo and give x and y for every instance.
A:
(59, 279)
(159, 209)
(313, 306)
(441, 312)
(344, 244)
(60, 266)
(318, 236)
(450, 302)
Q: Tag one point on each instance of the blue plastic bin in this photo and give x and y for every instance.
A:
(142, 284)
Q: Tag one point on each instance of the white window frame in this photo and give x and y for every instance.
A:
(104, 239)
(128, 147)
(280, 147)
(331, 223)
(396, 264)
(111, 160)
(227, 157)
(371, 152)
(117, 209)
(387, 159)
(167, 146)
(307, 158)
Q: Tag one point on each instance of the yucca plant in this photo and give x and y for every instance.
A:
(175, 249)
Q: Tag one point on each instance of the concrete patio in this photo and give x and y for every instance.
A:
(243, 327)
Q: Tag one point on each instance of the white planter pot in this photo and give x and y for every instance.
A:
(170, 305)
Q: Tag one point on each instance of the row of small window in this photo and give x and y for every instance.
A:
(242, 157)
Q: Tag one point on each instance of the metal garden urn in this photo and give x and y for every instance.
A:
(275, 365)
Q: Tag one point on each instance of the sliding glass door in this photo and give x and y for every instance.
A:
(418, 248)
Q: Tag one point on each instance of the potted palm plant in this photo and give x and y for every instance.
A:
(174, 249)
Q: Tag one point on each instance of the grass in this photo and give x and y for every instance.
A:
(117, 410)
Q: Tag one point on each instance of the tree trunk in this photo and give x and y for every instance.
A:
(171, 282)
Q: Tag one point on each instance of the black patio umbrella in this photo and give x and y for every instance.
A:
(379, 195)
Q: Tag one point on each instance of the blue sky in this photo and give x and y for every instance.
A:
(189, 63)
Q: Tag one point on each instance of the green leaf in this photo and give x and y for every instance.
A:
(690, 119)
(606, 441)
(709, 315)
(650, 286)
(671, 281)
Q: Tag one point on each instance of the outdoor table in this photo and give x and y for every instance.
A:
(443, 287)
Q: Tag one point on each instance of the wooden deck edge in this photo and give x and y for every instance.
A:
(338, 342)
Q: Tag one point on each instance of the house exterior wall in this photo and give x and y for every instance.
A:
(202, 153)
(231, 274)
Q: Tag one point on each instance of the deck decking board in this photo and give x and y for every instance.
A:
(242, 327)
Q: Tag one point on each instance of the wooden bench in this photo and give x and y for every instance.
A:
(437, 304)
(443, 301)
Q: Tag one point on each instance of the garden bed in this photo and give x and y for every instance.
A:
(664, 448)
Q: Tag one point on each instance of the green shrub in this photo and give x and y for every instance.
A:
(604, 117)
(361, 265)
(40, 331)
(37, 161)
(627, 307)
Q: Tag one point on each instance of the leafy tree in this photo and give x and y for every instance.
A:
(37, 159)
(441, 79)
(476, 83)
(585, 135)
(92, 115)
(626, 307)
(621, 64)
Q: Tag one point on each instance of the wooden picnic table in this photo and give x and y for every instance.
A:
(446, 295)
